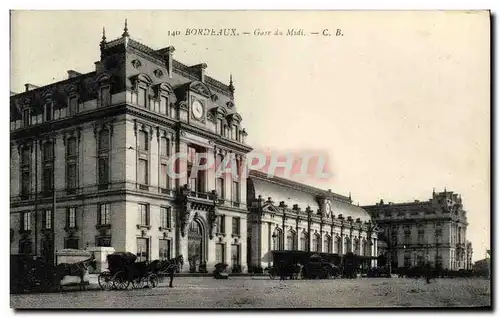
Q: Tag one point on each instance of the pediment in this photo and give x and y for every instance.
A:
(165, 87)
(200, 88)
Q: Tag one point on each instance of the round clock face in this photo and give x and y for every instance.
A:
(197, 109)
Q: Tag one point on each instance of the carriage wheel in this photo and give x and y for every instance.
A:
(105, 280)
(120, 280)
(138, 282)
(153, 280)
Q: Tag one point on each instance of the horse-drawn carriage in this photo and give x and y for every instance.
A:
(37, 274)
(123, 270)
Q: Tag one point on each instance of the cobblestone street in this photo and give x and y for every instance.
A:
(261, 292)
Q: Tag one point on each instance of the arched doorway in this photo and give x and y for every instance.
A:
(195, 245)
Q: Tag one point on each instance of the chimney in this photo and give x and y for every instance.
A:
(30, 87)
(98, 67)
(73, 73)
(168, 55)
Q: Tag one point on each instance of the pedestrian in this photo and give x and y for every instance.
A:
(427, 272)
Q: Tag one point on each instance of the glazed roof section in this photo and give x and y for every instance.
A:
(291, 192)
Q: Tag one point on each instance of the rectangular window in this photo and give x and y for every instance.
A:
(71, 176)
(104, 241)
(219, 253)
(71, 243)
(26, 118)
(27, 221)
(73, 105)
(103, 171)
(25, 182)
(26, 157)
(220, 224)
(25, 246)
(235, 254)
(164, 147)
(71, 218)
(164, 250)
(48, 220)
(236, 225)
(143, 171)
(143, 215)
(165, 217)
(163, 176)
(220, 188)
(47, 179)
(163, 105)
(236, 191)
(48, 151)
(143, 141)
(71, 148)
(142, 249)
(142, 97)
(407, 239)
(407, 260)
(48, 111)
(105, 96)
(104, 214)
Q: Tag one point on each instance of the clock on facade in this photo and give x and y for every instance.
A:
(197, 109)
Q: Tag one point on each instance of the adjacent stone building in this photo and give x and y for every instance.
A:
(89, 158)
(417, 232)
(286, 215)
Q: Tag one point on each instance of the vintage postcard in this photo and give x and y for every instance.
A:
(250, 159)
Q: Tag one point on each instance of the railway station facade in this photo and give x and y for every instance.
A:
(91, 161)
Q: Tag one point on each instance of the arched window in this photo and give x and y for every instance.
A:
(316, 243)
(278, 239)
(328, 244)
(303, 240)
(290, 240)
(348, 245)
(356, 246)
(338, 245)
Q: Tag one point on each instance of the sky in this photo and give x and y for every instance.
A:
(400, 103)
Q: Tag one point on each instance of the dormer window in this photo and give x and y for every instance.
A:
(73, 105)
(105, 96)
(163, 105)
(49, 111)
(26, 117)
(220, 126)
(143, 96)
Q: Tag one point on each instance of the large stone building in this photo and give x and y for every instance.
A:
(417, 232)
(286, 215)
(90, 155)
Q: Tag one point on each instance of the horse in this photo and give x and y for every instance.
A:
(78, 269)
(171, 266)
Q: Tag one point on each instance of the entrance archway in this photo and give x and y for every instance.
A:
(195, 245)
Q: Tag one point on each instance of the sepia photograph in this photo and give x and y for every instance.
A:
(250, 159)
